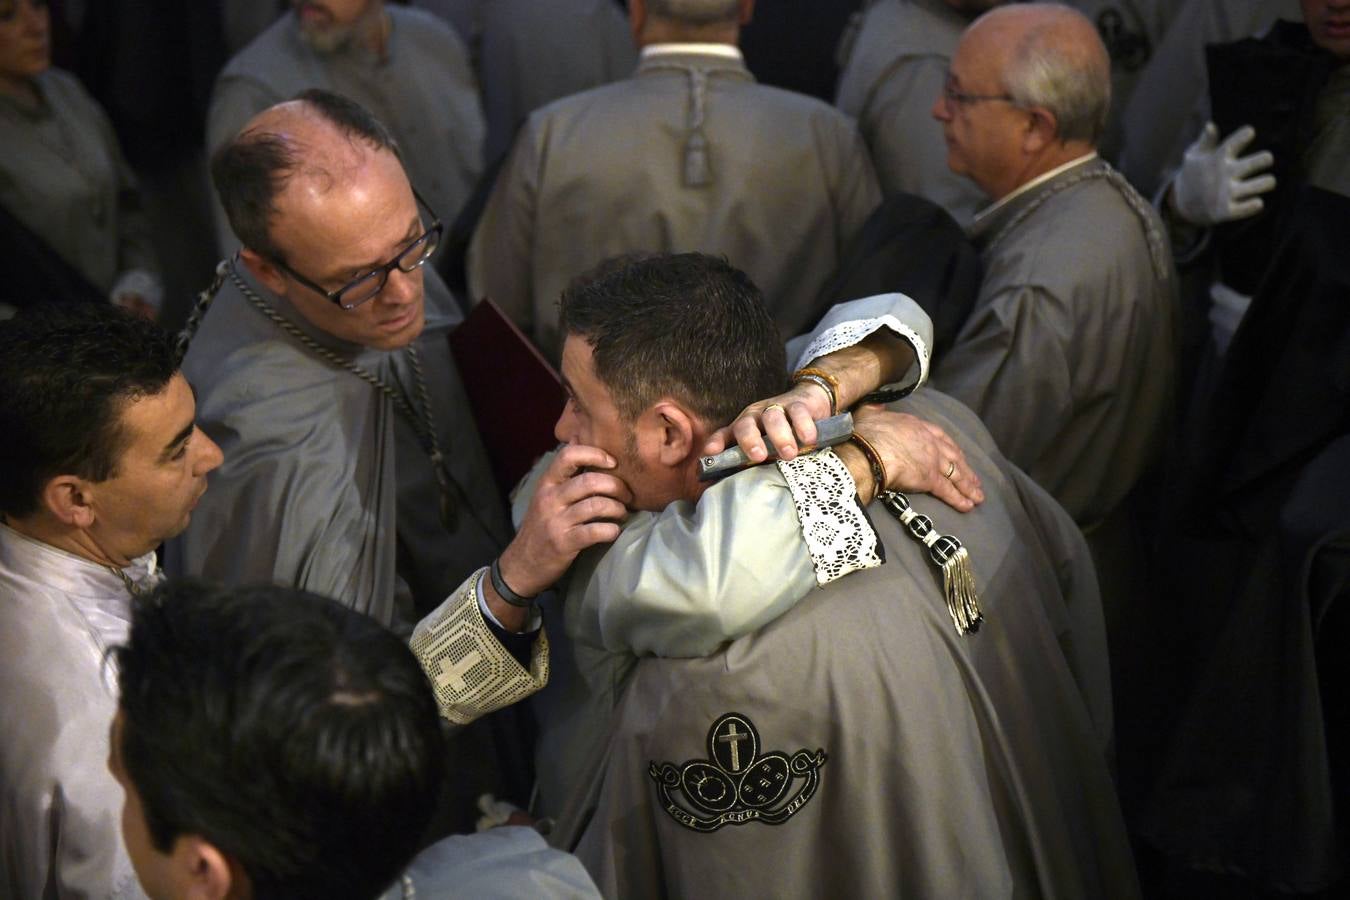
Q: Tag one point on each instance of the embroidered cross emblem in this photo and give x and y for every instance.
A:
(734, 738)
(452, 676)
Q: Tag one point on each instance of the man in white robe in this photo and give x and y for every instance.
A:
(102, 462)
(688, 154)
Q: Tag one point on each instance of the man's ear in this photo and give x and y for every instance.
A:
(203, 872)
(68, 498)
(1042, 130)
(264, 270)
(676, 433)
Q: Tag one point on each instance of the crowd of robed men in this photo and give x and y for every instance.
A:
(687, 699)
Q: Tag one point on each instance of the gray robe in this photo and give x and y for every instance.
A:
(60, 807)
(507, 863)
(63, 175)
(893, 75)
(535, 51)
(324, 484)
(424, 92)
(602, 173)
(1068, 354)
(896, 758)
(1167, 109)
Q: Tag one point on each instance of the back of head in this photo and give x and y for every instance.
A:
(1058, 62)
(696, 12)
(687, 326)
(298, 737)
(289, 139)
(66, 373)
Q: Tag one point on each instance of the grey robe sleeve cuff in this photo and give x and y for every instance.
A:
(470, 671)
(837, 532)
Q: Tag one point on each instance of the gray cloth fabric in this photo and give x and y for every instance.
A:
(500, 864)
(1068, 355)
(465, 15)
(63, 175)
(325, 485)
(60, 808)
(424, 92)
(933, 765)
(1131, 30)
(1167, 109)
(893, 75)
(536, 51)
(604, 172)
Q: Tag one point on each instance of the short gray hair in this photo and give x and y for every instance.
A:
(696, 12)
(1073, 81)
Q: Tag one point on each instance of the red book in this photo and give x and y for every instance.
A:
(515, 394)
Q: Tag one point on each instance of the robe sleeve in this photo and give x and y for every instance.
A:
(499, 864)
(503, 244)
(1009, 365)
(849, 323)
(471, 672)
(682, 582)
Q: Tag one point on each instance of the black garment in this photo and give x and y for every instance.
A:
(1246, 784)
(1271, 83)
(791, 44)
(34, 273)
(913, 246)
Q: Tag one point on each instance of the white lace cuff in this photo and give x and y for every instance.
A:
(838, 535)
(846, 334)
(471, 673)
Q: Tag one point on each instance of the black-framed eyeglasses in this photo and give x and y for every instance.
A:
(364, 287)
(953, 94)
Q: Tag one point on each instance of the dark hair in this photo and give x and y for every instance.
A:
(254, 167)
(297, 736)
(66, 373)
(688, 326)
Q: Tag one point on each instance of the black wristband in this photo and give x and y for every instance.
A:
(510, 596)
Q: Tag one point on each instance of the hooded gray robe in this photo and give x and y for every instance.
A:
(325, 485)
(605, 172)
(895, 757)
(423, 91)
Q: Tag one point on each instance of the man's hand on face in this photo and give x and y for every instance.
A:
(577, 504)
(919, 457)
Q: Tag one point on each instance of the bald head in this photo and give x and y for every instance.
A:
(318, 136)
(1050, 56)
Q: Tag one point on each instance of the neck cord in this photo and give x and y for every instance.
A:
(421, 419)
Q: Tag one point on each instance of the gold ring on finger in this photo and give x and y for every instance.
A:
(777, 406)
(951, 469)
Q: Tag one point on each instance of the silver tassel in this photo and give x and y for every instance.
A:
(963, 601)
(697, 173)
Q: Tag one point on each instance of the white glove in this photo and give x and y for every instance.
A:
(1215, 184)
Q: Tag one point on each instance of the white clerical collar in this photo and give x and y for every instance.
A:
(1031, 185)
(728, 51)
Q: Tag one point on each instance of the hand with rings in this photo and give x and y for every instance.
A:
(914, 451)
(786, 421)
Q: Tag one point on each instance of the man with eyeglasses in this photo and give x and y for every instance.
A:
(353, 466)
(896, 65)
(1068, 353)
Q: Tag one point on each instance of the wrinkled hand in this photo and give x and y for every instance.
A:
(1215, 184)
(573, 507)
(787, 429)
(917, 455)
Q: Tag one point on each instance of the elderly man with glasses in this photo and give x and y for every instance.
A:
(1068, 353)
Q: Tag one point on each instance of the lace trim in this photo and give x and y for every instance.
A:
(846, 334)
(838, 535)
(471, 673)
